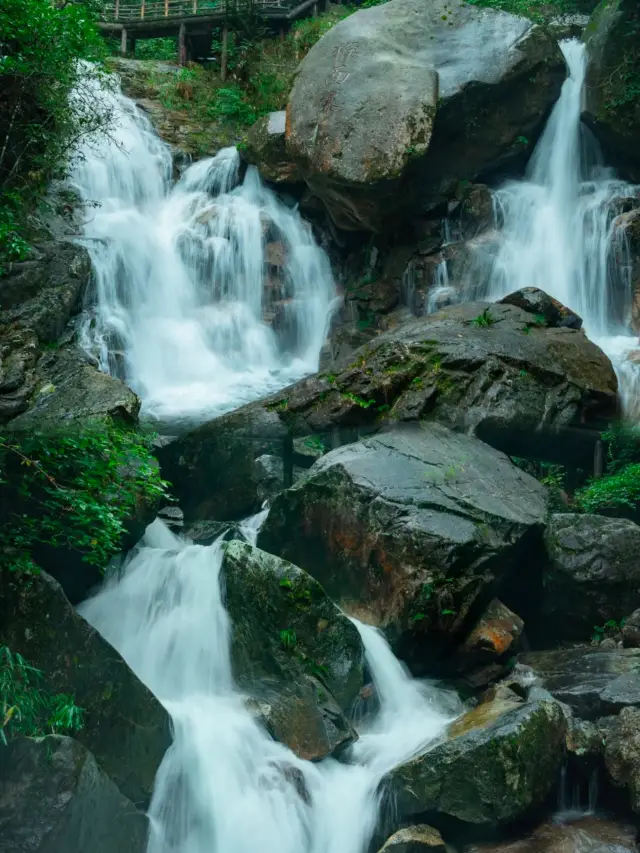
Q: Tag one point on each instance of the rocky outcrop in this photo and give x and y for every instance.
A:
(53, 797)
(499, 762)
(125, 727)
(491, 368)
(627, 232)
(397, 103)
(622, 753)
(584, 833)
(593, 575)
(297, 656)
(414, 839)
(613, 80)
(265, 147)
(495, 635)
(408, 529)
(631, 631)
(592, 681)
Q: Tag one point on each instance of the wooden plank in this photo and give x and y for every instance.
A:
(166, 8)
(142, 11)
(225, 53)
(182, 44)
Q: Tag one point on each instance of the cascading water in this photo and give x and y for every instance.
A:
(222, 784)
(557, 231)
(208, 293)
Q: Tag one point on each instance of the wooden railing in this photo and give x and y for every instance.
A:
(143, 10)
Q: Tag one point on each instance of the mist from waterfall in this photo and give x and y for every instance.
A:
(225, 785)
(209, 292)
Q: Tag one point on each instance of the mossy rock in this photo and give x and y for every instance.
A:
(495, 769)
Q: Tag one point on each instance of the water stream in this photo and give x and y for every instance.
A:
(557, 234)
(222, 784)
(209, 292)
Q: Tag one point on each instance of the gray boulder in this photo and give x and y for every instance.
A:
(631, 631)
(414, 839)
(407, 529)
(397, 103)
(622, 753)
(293, 652)
(500, 762)
(266, 148)
(54, 797)
(125, 727)
(593, 575)
(592, 681)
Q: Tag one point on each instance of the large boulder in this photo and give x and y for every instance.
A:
(507, 373)
(397, 103)
(409, 529)
(500, 761)
(592, 681)
(54, 797)
(613, 79)
(622, 753)
(265, 148)
(293, 652)
(125, 727)
(593, 575)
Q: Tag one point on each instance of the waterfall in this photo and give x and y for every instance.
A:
(222, 784)
(209, 292)
(557, 231)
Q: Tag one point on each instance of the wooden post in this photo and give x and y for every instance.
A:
(166, 8)
(182, 44)
(123, 42)
(142, 10)
(287, 461)
(117, 10)
(315, 10)
(598, 460)
(195, 7)
(225, 53)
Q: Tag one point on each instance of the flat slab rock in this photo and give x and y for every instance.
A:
(404, 526)
(593, 682)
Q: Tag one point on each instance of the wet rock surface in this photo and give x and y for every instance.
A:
(594, 574)
(125, 726)
(592, 681)
(53, 797)
(499, 762)
(266, 149)
(398, 102)
(622, 753)
(293, 651)
(496, 634)
(407, 529)
(414, 839)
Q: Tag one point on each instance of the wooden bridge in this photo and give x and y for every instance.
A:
(193, 21)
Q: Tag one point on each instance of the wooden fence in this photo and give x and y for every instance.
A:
(153, 10)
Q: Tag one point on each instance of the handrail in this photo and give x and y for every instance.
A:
(150, 10)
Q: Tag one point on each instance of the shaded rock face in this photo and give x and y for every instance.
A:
(593, 576)
(584, 834)
(495, 635)
(627, 229)
(125, 727)
(298, 657)
(265, 148)
(622, 753)
(500, 762)
(593, 682)
(612, 105)
(414, 839)
(409, 528)
(53, 797)
(631, 631)
(398, 102)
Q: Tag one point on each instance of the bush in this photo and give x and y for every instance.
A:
(161, 48)
(74, 491)
(26, 708)
(617, 491)
(48, 99)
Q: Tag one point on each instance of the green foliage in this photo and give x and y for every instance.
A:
(609, 629)
(538, 10)
(73, 490)
(359, 401)
(161, 48)
(288, 639)
(484, 320)
(48, 101)
(26, 707)
(615, 491)
(314, 442)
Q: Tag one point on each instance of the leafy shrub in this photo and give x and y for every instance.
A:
(73, 490)
(160, 48)
(615, 491)
(26, 707)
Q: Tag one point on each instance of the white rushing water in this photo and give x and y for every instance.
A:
(208, 293)
(557, 231)
(222, 785)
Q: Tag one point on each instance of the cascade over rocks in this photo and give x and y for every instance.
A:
(397, 103)
(125, 726)
(613, 77)
(408, 529)
(492, 368)
(293, 651)
(499, 762)
(54, 797)
(593, 576)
